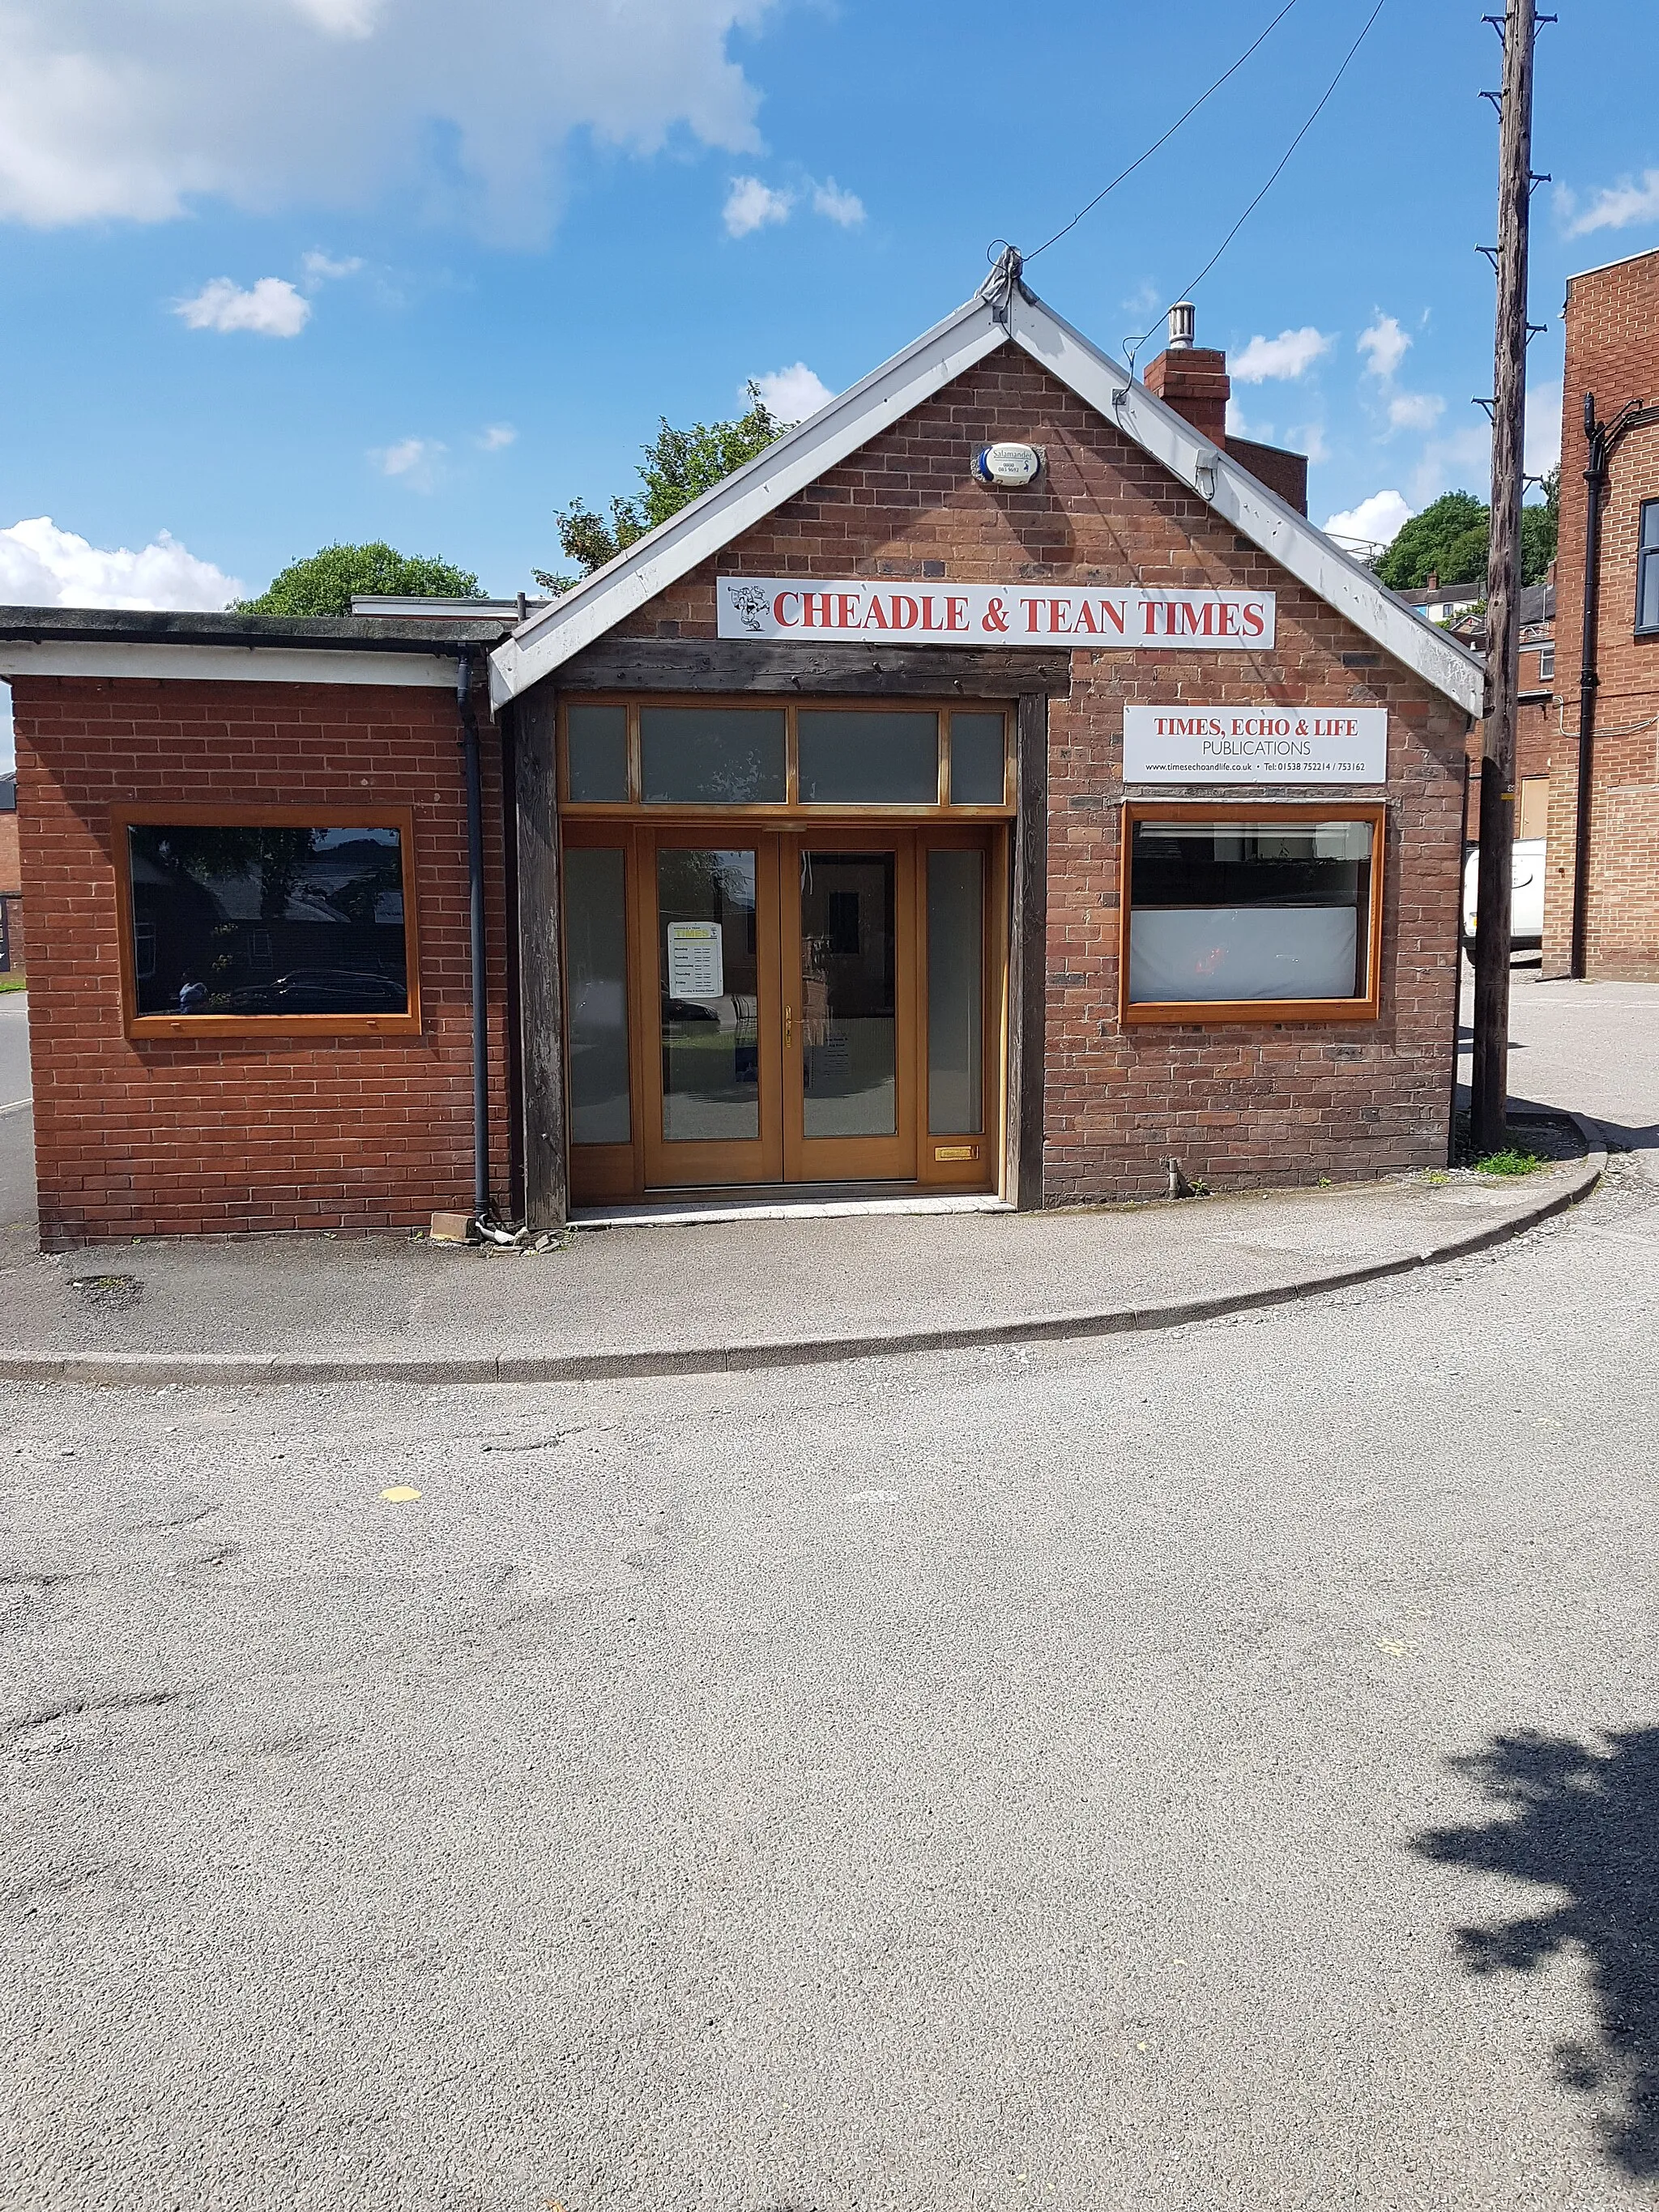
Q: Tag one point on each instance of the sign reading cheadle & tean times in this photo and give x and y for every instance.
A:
(1256, 745)
(859, 608)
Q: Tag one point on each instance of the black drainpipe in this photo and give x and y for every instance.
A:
(475, 917)
(1596, 478)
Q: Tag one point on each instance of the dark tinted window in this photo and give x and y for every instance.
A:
(265, 920)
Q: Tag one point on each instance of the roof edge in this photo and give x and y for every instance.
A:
(670, 551)
(1248, 505)
(353, 633)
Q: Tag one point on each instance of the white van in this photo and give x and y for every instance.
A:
(1525, 898)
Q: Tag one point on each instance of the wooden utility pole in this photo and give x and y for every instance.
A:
(1489, 1089)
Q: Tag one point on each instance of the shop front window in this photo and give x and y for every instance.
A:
(1258, 916)
(261, 920)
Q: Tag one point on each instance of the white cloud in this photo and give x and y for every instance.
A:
(138, 112)
(412, 461)
(1377, 520)
(270, 308)
(1461, 461)
(1415, 411)
(1288, 356)
(495, 437)
(41, 565)
(344, 18)
(1542, 448)
(1384, 345)
(1614, 208)
(845, 208)
(792, 394)
(749, 205)
(321, 268)
(1311, 440)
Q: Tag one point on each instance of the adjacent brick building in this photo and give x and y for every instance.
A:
(11, 881)
(1602, 917)
(810, 849)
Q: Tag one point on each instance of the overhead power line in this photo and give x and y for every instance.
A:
(1324, 101)
(1089, 205)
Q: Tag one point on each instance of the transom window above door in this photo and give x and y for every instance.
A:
(850, 756)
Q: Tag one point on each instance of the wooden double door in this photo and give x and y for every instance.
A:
(814, 1005)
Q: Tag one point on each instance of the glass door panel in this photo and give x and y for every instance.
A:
(848, 1048)
(956, 993)
(849, 1014)
(711, 968)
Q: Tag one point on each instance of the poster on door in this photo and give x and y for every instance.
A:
(696, 961)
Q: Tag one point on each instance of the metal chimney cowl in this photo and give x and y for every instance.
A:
(1182, 319)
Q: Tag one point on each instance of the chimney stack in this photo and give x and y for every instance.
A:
(1192, 379)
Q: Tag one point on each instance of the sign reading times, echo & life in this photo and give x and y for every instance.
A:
(1256, 745)
(860, 608)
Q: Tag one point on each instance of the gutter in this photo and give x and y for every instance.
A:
(1595, 478)
(469, 721)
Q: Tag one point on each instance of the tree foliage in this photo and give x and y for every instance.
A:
(1449, 540)
(679, 465)
(325, 584)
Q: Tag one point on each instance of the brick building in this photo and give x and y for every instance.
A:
(1537, 718)
(1601, 915)
(995, 789)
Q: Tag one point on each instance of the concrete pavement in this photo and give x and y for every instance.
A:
(734, 1294)
(1207, 1772)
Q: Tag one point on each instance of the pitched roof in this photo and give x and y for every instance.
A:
(1005, 314)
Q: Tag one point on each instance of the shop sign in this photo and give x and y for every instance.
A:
(1256, 745)
(860, 609)
(697, 968)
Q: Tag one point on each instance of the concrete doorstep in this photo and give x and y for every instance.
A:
(642, 1300)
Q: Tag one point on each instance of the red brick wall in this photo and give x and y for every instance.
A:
(164, 1139)
(10, 881)
(1613, 351)
(1242, 1104)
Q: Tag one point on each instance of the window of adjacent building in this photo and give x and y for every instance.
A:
(1242, 914)
(268, 919)
(1546, 664)
(1647, 567)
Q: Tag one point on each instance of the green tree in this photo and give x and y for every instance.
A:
(1451, 539)
(325, 584)
(679, 465)
(1448, 540)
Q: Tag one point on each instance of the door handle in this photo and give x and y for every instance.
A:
(788, 1027)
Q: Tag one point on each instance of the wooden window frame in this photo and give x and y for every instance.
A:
(1208, 1013)
(175, 1029)
(791, 807)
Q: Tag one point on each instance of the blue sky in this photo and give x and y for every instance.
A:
(281, 271)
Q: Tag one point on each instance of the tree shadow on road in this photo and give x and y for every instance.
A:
(1582, 1817)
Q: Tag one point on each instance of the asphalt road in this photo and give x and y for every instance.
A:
(16, 1125)
(1219, 1770)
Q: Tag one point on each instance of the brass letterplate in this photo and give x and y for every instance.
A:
(955, 1151)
